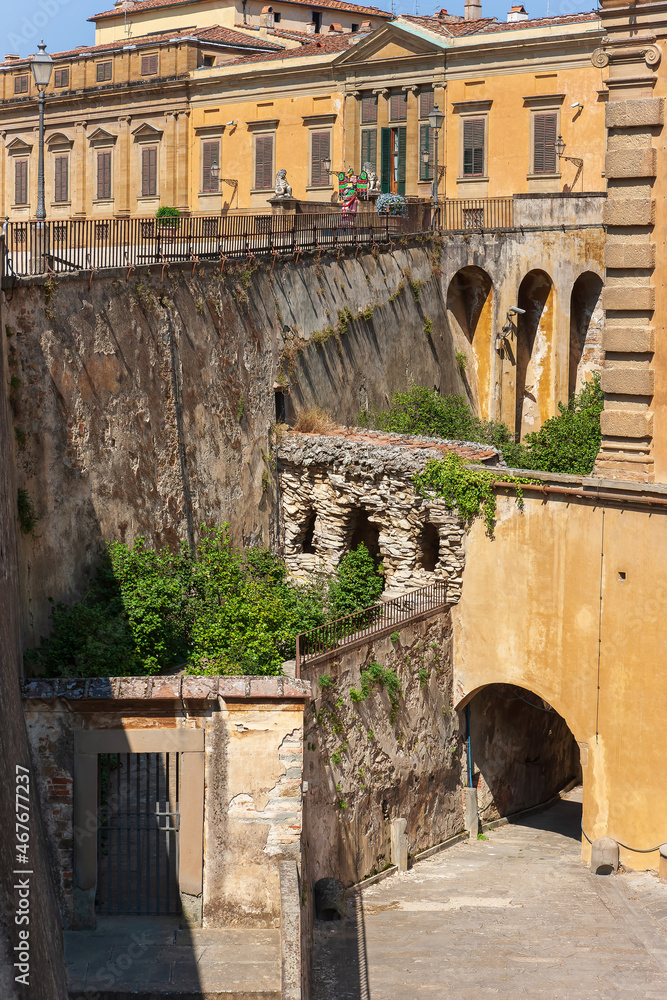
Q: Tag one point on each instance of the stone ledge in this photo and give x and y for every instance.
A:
(165, 689)
(634, 114)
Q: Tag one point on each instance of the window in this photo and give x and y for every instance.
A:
(61, 185)
(210, 156)
(263, 162)
(316, 18)
(426, 145)
(426, 103)
(369, 109)
(398, 107)
(355, 27)
(149, 172)
(21, 182)
(545, 131)
(369, 147)
(473, 147)
(320, 150)
(104, 175)
(21, 84)
(277, 17)
(392, 160)
(208, 61)
(149, 65)
(61, 78)
(103, 72)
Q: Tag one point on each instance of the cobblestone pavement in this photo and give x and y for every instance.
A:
(517, 914)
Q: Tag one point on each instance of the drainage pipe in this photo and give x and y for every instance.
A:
(469, 747)
(583, 495)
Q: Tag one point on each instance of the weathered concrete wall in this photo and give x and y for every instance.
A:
(366, 765)
(252, 778)
(332, 485)
(567, 602)
(46, 974)
(522, 751)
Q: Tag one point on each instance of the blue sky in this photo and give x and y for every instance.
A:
(63, 24)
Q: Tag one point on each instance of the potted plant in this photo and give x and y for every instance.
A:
(392, 204)
(167, 221)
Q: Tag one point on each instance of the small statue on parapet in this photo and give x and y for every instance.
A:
(283, 188)
(373, 179)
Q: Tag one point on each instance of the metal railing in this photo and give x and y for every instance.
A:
(459, 214)
(355, 629)
(95, 244)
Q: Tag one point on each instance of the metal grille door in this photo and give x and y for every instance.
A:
(137, 839)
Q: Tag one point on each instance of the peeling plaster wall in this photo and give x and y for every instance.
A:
(365, 767)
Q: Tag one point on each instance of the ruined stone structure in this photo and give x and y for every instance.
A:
(354, 486)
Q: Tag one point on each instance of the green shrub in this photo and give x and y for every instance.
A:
(357, 583)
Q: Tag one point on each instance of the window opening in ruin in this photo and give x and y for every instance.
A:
(363, 530)
(281, 406)
(429, 545)
(307, 545)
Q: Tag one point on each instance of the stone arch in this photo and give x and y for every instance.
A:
(428, 543)
(470, 315)
(522, 749)
(586, 325)
(534, 340)
(360, 528)
(306, 536)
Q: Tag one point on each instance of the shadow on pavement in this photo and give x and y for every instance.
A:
(564, 818)
(340, 970)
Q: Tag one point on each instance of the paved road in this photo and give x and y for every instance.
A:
(514, 915)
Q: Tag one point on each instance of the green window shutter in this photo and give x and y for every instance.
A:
(473, 147)
(545, 127)
(402, 146)
(426, 145)
(385, 160)
(369, 147)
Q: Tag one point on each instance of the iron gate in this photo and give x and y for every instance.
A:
(137, 832)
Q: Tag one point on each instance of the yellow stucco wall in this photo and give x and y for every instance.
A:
(535, 601)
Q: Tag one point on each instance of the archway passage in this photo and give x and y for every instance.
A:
(362, 529)
(586, 323)
(522, 751)
(534, 340)
(470, 314)
(308, 533)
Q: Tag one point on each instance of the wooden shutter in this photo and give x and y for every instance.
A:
(61, 77)
(369, 147)
(369, 110)
(319, 151)
(149, 171)
(149, 65)
(61, 185)
(402, 150)
(103, 72)
(263, 162)
(426, 145)
(545, 128)
(21, 182)
(104, 174)
(385, 160)
(473, 147)
(210, 152)
(398, 107)
(426, 103)
(21, 84)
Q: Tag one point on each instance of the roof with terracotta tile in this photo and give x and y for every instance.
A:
(488, 25)
(302, 447)
(325, 45)
(213, 35)
(142, 5)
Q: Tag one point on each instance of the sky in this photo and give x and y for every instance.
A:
(63, 25)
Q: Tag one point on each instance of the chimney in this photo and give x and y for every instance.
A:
(517, 13)
(12, 58)
(472, 10)
(265, 20)
(336, 27)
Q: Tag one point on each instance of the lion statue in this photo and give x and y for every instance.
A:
(283, 188)
(373, 179)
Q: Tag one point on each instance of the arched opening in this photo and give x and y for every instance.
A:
(429, 547)
(307, 534)
(362, 529)
(586, 324)
(522, 751)
(534, 338)
(470, 314)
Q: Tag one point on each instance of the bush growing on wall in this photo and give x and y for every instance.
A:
(219, 610)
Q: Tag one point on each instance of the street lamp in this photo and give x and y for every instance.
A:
(214, 171)
(435, 120)
(326, 163)
(559, 146)
(41, 66)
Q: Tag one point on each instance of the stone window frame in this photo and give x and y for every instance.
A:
(88, 744)
(320, 123)
(263, 128)
(542, 104)
(102, 141)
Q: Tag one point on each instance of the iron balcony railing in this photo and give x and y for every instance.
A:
(460, 214)
(355, 629)
(95, 244)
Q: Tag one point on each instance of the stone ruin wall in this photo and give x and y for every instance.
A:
(334, 477)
